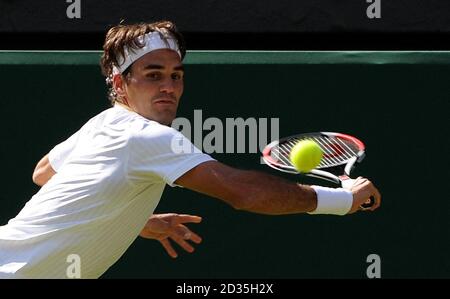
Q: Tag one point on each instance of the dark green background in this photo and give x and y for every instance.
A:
(397, 103)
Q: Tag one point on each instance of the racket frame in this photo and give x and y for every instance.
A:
(318, 172)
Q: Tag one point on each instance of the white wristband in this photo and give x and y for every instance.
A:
(332, 201)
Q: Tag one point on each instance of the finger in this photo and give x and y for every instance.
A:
(185, 245)
(168, 247)
(359, 181)
(184, 218)
(181, 232)
(195, 238)
(372, 192)
(158, 225)
(185, 233)
(377, 196)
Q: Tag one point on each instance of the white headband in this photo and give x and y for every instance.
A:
(153, 41)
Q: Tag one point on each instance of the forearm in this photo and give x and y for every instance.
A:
(250, 190)
(269, 194)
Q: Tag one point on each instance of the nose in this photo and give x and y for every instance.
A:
(167, 86)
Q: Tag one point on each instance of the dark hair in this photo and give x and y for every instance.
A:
(121, 36)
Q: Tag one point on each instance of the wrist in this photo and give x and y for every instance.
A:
(334, 201)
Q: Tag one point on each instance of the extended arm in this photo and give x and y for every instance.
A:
(249, 190)
(262, 193)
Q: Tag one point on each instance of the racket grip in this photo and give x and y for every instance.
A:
(347, 183)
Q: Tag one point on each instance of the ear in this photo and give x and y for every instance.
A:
(119, 85)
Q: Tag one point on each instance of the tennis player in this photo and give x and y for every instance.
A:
(101, 186)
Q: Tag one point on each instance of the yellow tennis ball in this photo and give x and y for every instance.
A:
(306, 155)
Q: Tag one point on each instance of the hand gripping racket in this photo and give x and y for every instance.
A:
(341, 153)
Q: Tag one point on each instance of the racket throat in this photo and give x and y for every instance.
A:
(349, 167)
(325, 176)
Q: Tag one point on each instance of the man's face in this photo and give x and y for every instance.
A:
(155, 84)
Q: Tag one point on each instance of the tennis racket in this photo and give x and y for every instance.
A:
(341, 153)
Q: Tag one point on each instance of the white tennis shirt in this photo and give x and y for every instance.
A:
(110, 176)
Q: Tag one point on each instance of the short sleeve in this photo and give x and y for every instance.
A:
(163, 152)
(60, 152)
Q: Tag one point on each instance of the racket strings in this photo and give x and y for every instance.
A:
(336, 151)
(282, 154)
(329, 158)
(325, 162)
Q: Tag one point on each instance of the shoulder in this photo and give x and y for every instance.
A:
(140, 130)
(154, 134)
(151, 129)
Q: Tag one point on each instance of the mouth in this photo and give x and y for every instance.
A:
(164, 102)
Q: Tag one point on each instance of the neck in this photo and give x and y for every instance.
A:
(124, 106)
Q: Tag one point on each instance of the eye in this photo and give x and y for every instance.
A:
(177, 76)
(153, 75)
